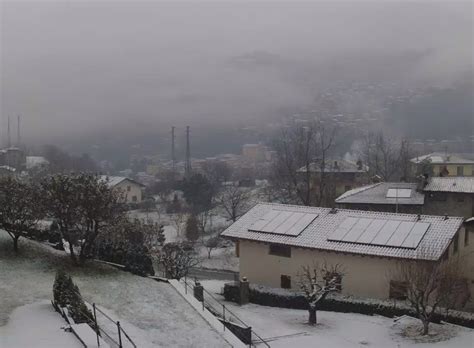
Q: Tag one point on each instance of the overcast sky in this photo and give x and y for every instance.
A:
(75, 67)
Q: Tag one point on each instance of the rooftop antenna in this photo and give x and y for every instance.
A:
(18, 138)
(173, 156)
(187, 168)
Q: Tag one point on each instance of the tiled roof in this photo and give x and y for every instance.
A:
(115, 180)
(441, 158)
(461, 184)
(432, 246)
(377, 194)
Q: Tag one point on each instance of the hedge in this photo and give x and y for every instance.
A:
(66, 294)
(338, 303)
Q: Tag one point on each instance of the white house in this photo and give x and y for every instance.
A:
(274, 241)
(131, 189)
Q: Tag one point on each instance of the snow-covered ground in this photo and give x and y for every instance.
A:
(36, 325)
(222, 258)
(152, 313)
(287, 328)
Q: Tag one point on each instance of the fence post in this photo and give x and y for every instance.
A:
(96, 326)
(223, 315)
(119, 334)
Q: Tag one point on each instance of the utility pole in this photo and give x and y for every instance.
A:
(173, 155)
(187, 168)
(18, 139)
(8, 133)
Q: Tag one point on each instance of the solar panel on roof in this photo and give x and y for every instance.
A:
(398, 193)
(416, 234)
(283, 222)
(381, 232)
(401, 233)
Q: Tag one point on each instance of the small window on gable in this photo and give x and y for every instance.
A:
(279, 250)
(285, 281)
(398, 290)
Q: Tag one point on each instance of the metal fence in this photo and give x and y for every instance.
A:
(106, 328)
(224, 314)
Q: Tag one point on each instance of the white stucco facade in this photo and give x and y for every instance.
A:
(132, 192)
(364, 276)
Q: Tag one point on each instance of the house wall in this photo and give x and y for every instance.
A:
(455, 204)
(364, 276)
(130, 190)
(390, 208)
(468, 169)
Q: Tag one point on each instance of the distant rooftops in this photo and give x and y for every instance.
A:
(406, 236)
(441, 158)
(336, 166)
(459, 184)
(384, 193)
(115, 180)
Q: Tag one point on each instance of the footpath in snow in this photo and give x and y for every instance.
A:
(36, 325)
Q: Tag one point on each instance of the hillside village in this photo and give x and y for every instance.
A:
(236, 244)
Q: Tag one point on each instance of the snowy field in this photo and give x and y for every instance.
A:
(287, 328)
(222, 258)
(152, 313)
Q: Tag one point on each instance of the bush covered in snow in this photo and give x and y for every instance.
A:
(339, 303)
(66, 294)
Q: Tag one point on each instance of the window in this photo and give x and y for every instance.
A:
(466, 237)
(398, 290)
(237, 249)
(280, 250)
(285, 281)
(134, 198)
(455, 244)
(129, 188)
(460, 171)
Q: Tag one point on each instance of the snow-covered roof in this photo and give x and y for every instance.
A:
(11, 169)
(336, 166)
(113, 181)
(441, 158)
(460, 184)
(33, 161)
(432, 245)
(379, 194)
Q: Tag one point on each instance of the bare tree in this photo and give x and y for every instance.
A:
(177, 220)
(20, 207)
(301, 155)
(211, 244)
(233, 200)
(386, 157)
(429, 285)
(317, 282)
(177, 258)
